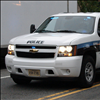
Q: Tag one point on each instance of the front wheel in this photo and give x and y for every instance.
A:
(87, 75)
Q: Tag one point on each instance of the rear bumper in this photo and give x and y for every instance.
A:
(59, 66)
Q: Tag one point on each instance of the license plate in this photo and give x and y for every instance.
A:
(34, 72)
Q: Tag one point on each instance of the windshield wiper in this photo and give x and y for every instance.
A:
(40, 31)
(69, 31)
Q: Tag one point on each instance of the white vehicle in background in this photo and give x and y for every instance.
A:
(65, 45)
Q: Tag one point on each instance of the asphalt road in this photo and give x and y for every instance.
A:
(47, 90)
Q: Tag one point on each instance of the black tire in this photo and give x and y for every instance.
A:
(87, 75)
(20, 79)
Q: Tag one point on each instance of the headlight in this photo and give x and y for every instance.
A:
(69, 48)
(11, 49)
(67, 51)
(62, 49)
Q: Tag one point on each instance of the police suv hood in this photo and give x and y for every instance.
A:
(48, 38)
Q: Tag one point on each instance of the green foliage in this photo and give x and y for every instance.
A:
(89, 5)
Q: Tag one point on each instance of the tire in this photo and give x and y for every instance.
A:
(20, 79)
(87, 75)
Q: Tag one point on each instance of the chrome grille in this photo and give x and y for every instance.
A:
(44, 51)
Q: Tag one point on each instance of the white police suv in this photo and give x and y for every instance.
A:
(66, 45)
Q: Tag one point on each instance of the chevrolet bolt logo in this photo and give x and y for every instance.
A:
(33, 50)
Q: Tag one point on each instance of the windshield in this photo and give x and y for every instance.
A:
(68, 24)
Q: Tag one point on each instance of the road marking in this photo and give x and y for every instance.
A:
(73, 92)
(56, 94)
(64, 93)
(4, 77)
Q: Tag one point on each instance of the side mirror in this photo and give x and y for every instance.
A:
(99, 33)
(32, 28)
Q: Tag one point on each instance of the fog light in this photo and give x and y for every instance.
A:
(68, 71)
(9, 68)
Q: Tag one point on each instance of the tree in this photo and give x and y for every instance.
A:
(89, 6)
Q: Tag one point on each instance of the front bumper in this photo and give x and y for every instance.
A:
(59, 66)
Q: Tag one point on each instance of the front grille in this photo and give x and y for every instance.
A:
(36, 47)
(34, 55)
